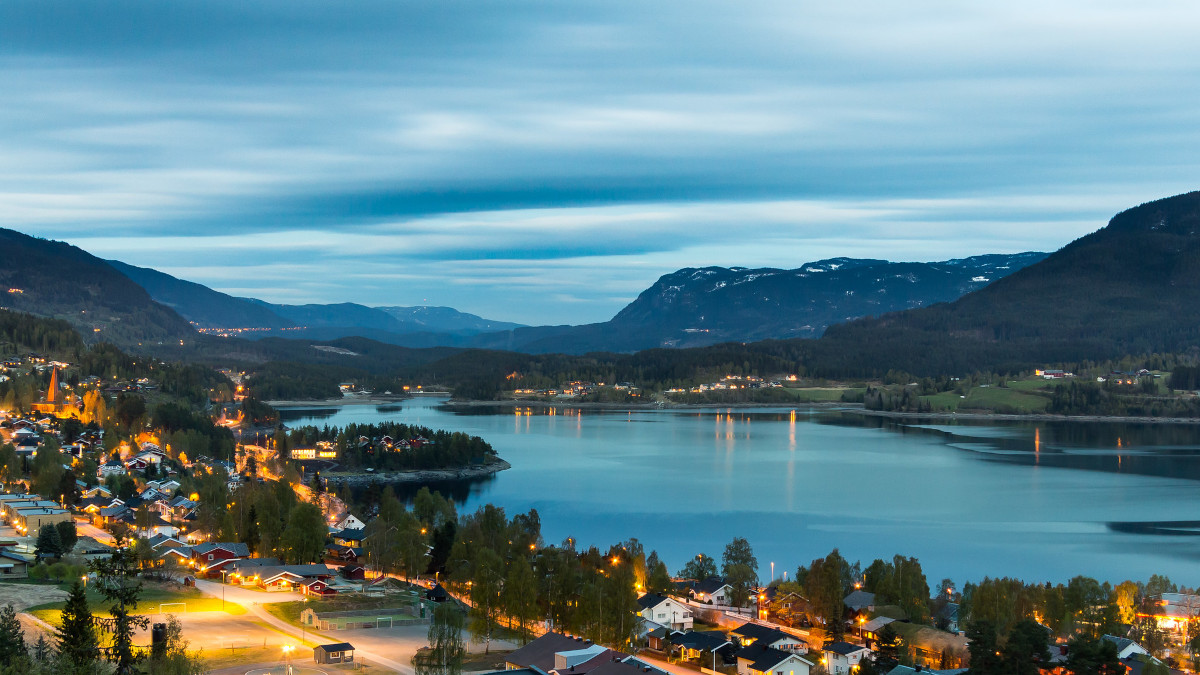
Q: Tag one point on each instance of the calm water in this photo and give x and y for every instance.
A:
(1040, 501)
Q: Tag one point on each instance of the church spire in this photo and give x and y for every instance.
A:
(53, 393)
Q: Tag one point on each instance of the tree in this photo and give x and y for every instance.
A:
(658, 579)
(825, 583)
(1027, 649)
(12, 638)
(447, 648)
(171, 657)
(115, 580)
(49, 542)
(984, 651)
(77, 641)
(485, 596)
(1091, 656)
(68, 534)
(520, 596)
(699, 568)
(740, 568)
(303, 539)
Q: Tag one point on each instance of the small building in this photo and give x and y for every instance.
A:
(759, 660)
(712, 592)
(665, 611)
(340, 652)
(13, 566)
(1125, 647)
(842, 658)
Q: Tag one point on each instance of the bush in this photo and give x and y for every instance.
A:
(39, 572)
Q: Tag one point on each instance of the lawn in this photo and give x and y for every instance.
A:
(290, 611)
(998, 399)
(819, 394)
(153, 595)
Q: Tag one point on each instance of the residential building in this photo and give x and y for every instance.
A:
(841, 658)
(665, 611)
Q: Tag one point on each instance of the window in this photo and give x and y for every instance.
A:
(210, 556)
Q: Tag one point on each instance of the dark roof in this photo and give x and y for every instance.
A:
(616, 668)
(710, 585)
(948, 611)
(350, 535)
(843, 648)
(759, 633)
(650, 600)
(337, 647)
(700, 639)
(763, 658)
(859, 599)
(540, 652)
(1120, 642)
(238, 549)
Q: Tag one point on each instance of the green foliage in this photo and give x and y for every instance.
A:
(447, 649)
(115, 581)
(900, 582)
(12, 638)
(1088, 655)
(171, 656)
(699, 568)
(49, 542)
(77, 640)
(826, 582)
(448, 449)
(303, 540)
(739, 567)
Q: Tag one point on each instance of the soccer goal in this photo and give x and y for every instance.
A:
(171, 607)
(380, 619)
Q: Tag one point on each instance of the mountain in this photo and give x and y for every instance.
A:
(1132, 287)
(200, 304)
(404, 326)
(697, 307)
(447, 320)
(54, 279)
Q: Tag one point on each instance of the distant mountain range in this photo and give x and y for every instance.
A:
(699, 307)
(126, 304)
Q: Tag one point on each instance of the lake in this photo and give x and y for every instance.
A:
(1039, 501)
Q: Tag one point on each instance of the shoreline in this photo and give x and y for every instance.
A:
(420, 475)
(833, 406)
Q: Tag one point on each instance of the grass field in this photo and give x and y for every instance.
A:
(820, 394)
(290, 611)
(998, 399)
(153, 594)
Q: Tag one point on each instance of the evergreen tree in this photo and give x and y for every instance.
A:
(68, 534)
(77, 641)
(49, 542)
(12, 638)
(115, 580)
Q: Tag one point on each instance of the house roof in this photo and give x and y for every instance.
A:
(759, 633)
(764, 659)
(844, 648)
(336, 647)
(877, 623)
(859, 600)
(238, 549)
(651, 600)
(710, 585)
(540, 652)
(350, 534)
(1121, 642)
(948, 611)
(710, 640)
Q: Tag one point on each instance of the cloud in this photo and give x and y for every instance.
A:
(456, 153)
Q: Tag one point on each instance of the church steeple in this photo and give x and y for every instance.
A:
(53, 393)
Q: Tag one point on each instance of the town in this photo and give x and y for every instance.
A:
(214, 517)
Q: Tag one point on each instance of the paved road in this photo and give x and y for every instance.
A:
(245, 596)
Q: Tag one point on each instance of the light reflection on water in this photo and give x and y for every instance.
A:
(1037, 500)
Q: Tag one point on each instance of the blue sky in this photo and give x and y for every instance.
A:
(544, 162)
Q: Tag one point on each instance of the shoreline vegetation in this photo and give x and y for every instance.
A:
(418, 475)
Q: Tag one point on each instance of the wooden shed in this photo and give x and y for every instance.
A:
(341, 652)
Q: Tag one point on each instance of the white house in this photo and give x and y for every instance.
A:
(841, 658)
(665, 612)
(765, 636)
(712, 591)
(1125, 646)
(759, 660)
(350, 523)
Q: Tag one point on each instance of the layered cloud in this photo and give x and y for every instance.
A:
(543, 162)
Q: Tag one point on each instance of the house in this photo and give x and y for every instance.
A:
(765, 636)
(165, 541)
(316, 587)
(341, 652)
(665, 611)
(210, 559)
(1125, 647)
(947, 617)
(842, 658)
(760, 660)
(918, 670)
(859, 601)
(158, 527)
(870, 629)
(352, 537)
(693, 644)
(437, 594)
(712, 592)
(788, 607)
(112, 467)
(350, 523)
(13, 566)
(1173, 611)
(97, 491)
(290, 577)
(544, 653)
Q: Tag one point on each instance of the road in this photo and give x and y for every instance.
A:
(252, 601)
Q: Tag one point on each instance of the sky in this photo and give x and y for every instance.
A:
(544, 162)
